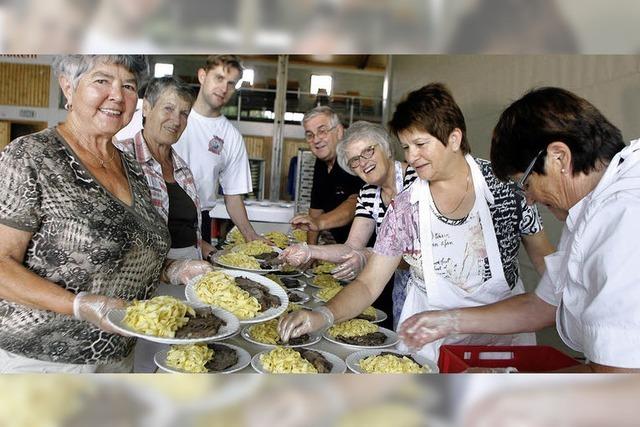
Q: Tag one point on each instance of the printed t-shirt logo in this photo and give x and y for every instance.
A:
(215, 145)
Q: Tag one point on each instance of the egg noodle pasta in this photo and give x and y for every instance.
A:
(255, 247)
(190, 358)
(324, 267)
(353, 328)
(370, 311)
(325, 294)
(283, 360)
(325, 281)
(279, 239)
(220, 289)
(161, 316)
(299, 235)
(241, 260)
(235, 236)
(266, 332)
(390, 364)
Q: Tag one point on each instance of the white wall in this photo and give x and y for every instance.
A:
(483, 85)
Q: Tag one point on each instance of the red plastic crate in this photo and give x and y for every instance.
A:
(526, 358)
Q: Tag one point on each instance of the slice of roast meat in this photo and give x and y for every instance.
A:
(223, 358)
(294, 297)
(260, 292)
(374, 338)
(317, 360)
(297, 341)
(290, 282)
(204, 324)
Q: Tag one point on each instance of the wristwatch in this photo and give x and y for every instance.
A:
(210, 256)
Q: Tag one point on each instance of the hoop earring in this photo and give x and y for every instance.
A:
(68, 106)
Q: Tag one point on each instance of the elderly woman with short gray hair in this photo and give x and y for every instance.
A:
(79, 235)
(363, 151)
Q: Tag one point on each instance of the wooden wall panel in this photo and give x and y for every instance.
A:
(5, 134)
(24, 84)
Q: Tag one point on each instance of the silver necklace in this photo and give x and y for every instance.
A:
(464, 196)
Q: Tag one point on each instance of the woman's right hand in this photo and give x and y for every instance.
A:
(301, 322)
(427, 326)
(296, 255)
(93, 308)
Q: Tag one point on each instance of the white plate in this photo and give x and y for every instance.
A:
(381, 316)
(244, 358)
(274, 289)
(392, 339)
(353, 360)
(314, 339)
(302, 295)
(339, 367)
(116, 317)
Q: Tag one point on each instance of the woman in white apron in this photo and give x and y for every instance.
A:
(458, 227)
(363, 151)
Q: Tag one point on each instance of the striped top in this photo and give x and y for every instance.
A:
(368, 199)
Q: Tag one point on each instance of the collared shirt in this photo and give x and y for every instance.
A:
(593, 276)
(137, 146)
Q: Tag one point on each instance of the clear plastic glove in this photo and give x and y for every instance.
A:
(426, 327)
(305, 222)
(351, 265)
(296, 255)
(303, 322)
(93, 308)
(179, 272)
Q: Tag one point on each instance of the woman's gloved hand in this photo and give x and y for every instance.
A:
(303, 322)
(93, 308)
(351, 265)
(179, 272)
(296, 255)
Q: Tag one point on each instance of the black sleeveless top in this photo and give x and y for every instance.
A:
(183, 218)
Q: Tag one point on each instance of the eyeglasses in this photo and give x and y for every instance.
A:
(367, 153)
(521, 182)
(322, 133)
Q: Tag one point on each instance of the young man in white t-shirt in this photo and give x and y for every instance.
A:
(214, 149)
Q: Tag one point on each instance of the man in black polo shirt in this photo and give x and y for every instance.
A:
(334, 191)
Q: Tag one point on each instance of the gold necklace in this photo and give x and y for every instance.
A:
(464, 196)
(86, 147)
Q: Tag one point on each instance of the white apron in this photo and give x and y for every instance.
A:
(437, 293)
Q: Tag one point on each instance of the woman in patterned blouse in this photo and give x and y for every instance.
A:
(78, 232)
(458, 228)
(364, 151)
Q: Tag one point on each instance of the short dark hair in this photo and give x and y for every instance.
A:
(546, 115)
(431, 109)
(158, 85)
(226, 61)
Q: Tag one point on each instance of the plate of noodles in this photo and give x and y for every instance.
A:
(215, 358)
(286, 360)
(387, 361)
(255, 257)
(163, 319)
(251, 297)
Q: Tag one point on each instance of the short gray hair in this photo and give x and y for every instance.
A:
(334, 119)
(75, 66)
(362, 131)
(157, 86)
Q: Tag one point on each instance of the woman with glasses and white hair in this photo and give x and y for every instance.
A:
(568, 156)
(364, 151)
(458, 228)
